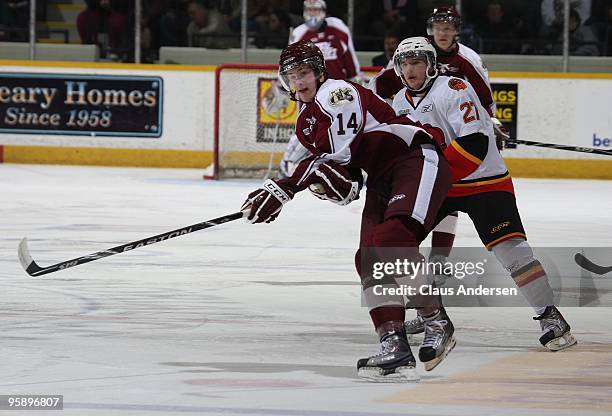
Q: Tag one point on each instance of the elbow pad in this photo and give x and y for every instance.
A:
(465, 154)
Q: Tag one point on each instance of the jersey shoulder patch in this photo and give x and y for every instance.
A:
(457, 84)
(340, 96)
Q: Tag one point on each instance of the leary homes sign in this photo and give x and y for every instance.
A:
(90, 105)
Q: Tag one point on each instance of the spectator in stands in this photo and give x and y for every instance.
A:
(391, 41)
(105, 22)
(208, 22)
(4, 21)
(258, 13)
(173, 22)
(583, 41)
(602, 26)
(276, 32)
(497, 31)
(14, 19)
(552, 16)
(399, 15)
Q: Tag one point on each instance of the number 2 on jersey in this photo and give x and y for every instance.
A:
(469, 109)
(352, 123)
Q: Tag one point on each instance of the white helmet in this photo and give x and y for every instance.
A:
(314, 21)
(416, 47)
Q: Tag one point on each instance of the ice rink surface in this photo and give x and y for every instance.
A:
(260, 320)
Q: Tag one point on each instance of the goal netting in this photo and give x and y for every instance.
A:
(254, 119)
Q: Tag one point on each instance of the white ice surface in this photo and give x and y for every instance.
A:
(239, 319)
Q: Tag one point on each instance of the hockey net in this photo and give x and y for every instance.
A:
(253, 121)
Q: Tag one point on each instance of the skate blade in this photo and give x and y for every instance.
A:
(430, 365)
(563, 342)
(401, 375)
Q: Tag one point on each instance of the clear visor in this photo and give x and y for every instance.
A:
(291, 74)
(398, 59)
(401, 58)
(442, 19)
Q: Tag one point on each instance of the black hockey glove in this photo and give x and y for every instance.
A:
(264, 204)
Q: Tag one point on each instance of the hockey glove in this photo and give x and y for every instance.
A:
(336, 184)
(264, 204)
(501, 133)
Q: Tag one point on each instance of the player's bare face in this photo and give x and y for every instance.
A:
(415, 72)
(303, 81)
(444, 35)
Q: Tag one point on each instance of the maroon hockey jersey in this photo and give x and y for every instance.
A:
(334, 40)
(349, 124)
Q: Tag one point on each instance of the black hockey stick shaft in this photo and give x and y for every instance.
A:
(34, 269)
(562, 147)
(588, 265)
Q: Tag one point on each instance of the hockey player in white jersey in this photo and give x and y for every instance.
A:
(482, 186)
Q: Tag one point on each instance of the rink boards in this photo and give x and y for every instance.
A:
(558, 108)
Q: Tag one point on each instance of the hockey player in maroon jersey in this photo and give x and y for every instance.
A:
(457, 60)
(332, 36)
(348, 128)
(334, 39)
(482, 186)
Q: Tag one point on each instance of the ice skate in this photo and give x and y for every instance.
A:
(394, 364)
(415, 326)
(557, 335)
(438, 340)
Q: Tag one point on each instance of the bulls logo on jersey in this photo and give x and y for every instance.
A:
(340, 96)
(457, 84)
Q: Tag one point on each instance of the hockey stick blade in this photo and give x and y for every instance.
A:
(34, 270)
(588, 265)
(25, 258)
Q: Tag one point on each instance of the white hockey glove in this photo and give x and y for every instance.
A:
(335, 184)
(294, 154)
(264, 204)
(501, 133)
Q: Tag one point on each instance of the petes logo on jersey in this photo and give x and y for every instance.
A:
(311, 121)
(329, 52)
(340, 96)
(396, 198)
(427, 108)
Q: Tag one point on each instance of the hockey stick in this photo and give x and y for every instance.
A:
(588, 265)
(561, 147)
(34, 269)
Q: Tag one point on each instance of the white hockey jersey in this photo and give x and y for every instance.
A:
(451, 104)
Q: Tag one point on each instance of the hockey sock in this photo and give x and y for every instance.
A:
(533, 283)
(443, 236)
(387, 319)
